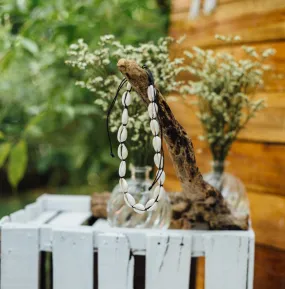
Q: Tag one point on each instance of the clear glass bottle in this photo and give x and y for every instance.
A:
(120, 215)
(231, 187)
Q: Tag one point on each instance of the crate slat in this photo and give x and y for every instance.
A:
(19, 256)
(73, 258)
(115, 262)
(226, 262)
(70, 219)
(43, 218)
(19, 217)
(32, 211)
(168, 260)
(66, 203)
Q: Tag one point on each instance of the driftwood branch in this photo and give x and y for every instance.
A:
(199, 201)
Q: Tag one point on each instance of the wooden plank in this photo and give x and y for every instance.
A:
(66, 203)
(268, 125)
(269, 269)
(168, 260)
(19, 217)
(115, 263)
(254, 21)
(70, 219)
(260, 166)
(43, 218)
(73, 258)
(63, 219)
(267, 214)
(226, 262)
(19, 256)
(101, 224)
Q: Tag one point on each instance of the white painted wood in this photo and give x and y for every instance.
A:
(19, 256)
(73, 258)
(66, 203)
(19, 217)
(43, 218)
(70, 219)
(115, 263)
(226, 261)
(250, 269)
(32, 211)
(62, 220)
(168, 259)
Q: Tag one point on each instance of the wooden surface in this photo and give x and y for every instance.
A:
(258, 157)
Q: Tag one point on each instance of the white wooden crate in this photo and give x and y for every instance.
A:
(55, 224)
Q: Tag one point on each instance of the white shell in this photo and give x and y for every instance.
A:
(139, 208)
(151, 205)
(152, 110)
(158, 191)
(122, 134)
(154, 126)
(150, 93)
(130, 199)
(122, 169)
(161, 179)
(126, 98)
(129, 86)
(157, 161)
(122, 152)
(123, 185)
(126, 201)
(125, 116)
(156, 142)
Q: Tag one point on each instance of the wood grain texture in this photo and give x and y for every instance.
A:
(254, 21)
(269, 271)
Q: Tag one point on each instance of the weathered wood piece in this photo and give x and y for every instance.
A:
(203, 203)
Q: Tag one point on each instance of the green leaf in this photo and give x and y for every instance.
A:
(4, 151)
(17, 163)
(2, 136)
(30, 45)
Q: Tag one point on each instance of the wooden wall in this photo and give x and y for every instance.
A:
(258, 157)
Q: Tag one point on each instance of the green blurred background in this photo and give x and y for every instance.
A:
(52, 136)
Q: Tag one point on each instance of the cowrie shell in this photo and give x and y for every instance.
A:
(151, 93)
(139, 208)
(122, 134)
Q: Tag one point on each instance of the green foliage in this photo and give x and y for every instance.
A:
(101, 76)
(17, 162)
(4, 152)
(225, 88)
(39, 103)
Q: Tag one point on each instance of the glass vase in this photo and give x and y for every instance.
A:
(120, 215)
(231, 187)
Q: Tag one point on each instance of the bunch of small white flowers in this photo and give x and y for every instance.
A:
(101, 76)
(225, 88)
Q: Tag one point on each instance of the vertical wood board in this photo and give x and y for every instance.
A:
(168, 260)
(19, 256)
(73, 258)
(115, 262)
(226, 262)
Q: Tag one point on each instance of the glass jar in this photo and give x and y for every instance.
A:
(120, 215)
(231, 187)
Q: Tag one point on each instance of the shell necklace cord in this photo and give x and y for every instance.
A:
(122, 135)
